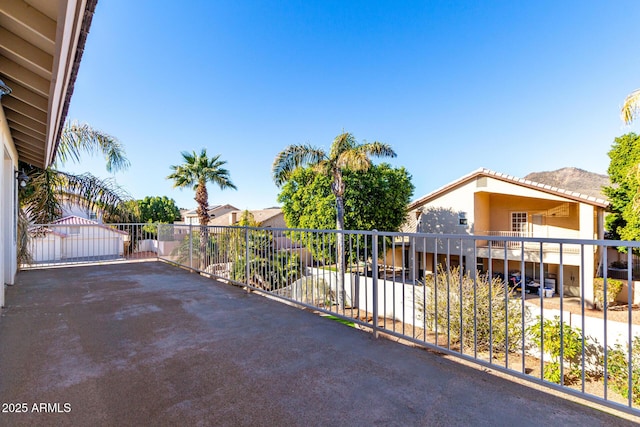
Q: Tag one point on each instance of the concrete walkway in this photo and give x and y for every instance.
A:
(151, 344)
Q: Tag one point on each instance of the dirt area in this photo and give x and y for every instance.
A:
(532, 365)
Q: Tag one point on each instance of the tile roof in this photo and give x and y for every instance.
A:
(76, 220)
(573, 195)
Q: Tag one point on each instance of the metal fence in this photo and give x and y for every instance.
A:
(514, 304)
(80, 243)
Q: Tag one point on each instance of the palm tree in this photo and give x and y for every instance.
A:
(631, 107)
(345, 154)
(195, 172)
(50, 188)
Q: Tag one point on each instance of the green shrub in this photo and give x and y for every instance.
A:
(618, 367)
(614, 287)
(488, 301)
(546, 334)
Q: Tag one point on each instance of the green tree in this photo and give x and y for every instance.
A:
(631, 107)
(307, 202)
(624, 221)
(196, 171)
(158, 209)
(306, 199)
(345, 154)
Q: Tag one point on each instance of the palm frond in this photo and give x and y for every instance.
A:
(293, 157)
(631, 107)
(356, 160)
(78, 138)
(341, 143)
(97, 195)
(40, 200)
(377, 149)
(49, 190)
(197, 170)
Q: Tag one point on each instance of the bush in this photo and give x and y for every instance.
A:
(546, 334)
(487, 301)
(275, 272)
(618, 264)
(614, 287)
(618, 366)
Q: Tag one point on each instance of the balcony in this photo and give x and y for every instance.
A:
(153, 343)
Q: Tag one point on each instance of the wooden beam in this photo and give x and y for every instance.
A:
(30, 19)
(26, 78)
(34, 143)
(25, 109)
(26, 54)
(27, 96)
(26, 130)
(32, 160)
(27, 150)
(25, 121)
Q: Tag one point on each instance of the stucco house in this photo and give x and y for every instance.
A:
(489, 203)
(190, 217)
(270, 217)
(74, 237)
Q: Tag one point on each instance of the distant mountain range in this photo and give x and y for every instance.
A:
(573, 179)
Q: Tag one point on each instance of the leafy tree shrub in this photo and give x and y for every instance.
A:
(308, 202)
(623, 221)
(546, 335)
(270, 273)
(614, 287)
(618, 365)
(498, 318)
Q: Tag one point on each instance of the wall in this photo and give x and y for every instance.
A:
(8, 208)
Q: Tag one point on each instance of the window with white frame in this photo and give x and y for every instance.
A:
(519, 222)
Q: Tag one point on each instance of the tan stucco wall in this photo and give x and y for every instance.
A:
(8, 207)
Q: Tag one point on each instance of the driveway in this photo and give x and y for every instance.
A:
(152, 344)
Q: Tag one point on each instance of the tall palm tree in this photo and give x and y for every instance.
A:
(631, 107)
(345, 154)
(49, 189)
(196, 171)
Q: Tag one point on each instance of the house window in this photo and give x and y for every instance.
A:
(519, 222)
(73, 230)
(462, 218)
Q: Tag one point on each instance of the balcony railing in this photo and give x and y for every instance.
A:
(434, 290)
(518, 241)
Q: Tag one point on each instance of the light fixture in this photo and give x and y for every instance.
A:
(4, 89)
(22, 178)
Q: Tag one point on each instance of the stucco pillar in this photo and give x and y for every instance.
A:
(587, 228)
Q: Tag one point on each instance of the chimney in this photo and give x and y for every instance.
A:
(233, 218)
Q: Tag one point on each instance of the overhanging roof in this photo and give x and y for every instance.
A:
(41, 45)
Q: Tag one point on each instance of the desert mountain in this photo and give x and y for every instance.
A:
(573, 179)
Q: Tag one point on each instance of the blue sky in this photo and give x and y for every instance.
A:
(514, 86)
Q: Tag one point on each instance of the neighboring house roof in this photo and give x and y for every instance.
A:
(41, 48)
(213, 210)
(40, 229)
(264, 215)
(76, 220)
(261, 216)
(571, 195)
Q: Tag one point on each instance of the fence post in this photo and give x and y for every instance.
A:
(374, 277)
(190, 246)
(246, 257)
